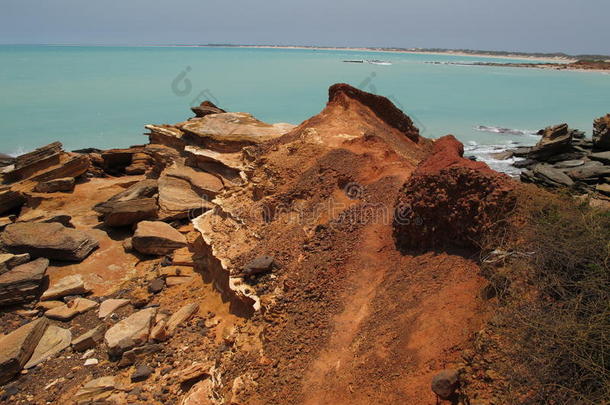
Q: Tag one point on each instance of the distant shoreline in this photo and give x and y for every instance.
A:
(559, 59)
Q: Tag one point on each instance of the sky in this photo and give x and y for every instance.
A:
(570, 26)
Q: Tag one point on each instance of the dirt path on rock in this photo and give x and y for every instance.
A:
(404, 319)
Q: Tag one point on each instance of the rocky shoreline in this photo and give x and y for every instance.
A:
(232, 261)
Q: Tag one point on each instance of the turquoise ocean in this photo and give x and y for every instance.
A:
(103, 96)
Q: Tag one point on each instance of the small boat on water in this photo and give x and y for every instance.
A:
(353, 61)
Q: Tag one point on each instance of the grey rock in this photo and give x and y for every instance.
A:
(603, 157)
(156, 285)
(567, 164)
(141, 373)
(601, 133)
(445, 383)
(259, 265)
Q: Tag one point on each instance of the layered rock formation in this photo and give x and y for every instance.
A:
(564, 158)
(255, 262)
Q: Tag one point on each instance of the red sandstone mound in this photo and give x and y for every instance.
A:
(450, 200)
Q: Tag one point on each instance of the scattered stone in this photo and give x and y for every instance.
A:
(130, 332)
(70, 285)
(200, 393)
(96, 390)
(445, 383)
(130, 357)
(156, 285)
(181, 316)
(90, 339)
(54, 340)
(195, 372)
(50, 240)
(71, 309)
(259, 265)
(141, 373)
(157, 238)
(109, 306)
(8, 261)
(65, 184)
(17, 347)
(22, 283)
(91, 362)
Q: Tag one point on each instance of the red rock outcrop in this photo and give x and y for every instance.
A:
(450, 200)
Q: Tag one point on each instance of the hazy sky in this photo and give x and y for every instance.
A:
(570, 26)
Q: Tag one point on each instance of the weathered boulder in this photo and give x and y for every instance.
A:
(52, 186)
(22, 283)
(555, 140)
(601, 133)
(17, 347)
(71, 309)
(206, 108)
(130, 332)
(140, 190)
(445, 383)
(167, 135)
(69, 285)
(157, 238)
(30, 163)
(54, 340)
(450, 200)
(8, 261)
(131, 212)
(51, 240)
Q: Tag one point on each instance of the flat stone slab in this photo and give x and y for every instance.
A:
(109, 306)
(157, 238)
(71, 309)
(89, 339)
(130, 332)
(54, 340)
(50, 240)
(70, 285)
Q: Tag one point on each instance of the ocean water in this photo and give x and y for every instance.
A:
(103, 96)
